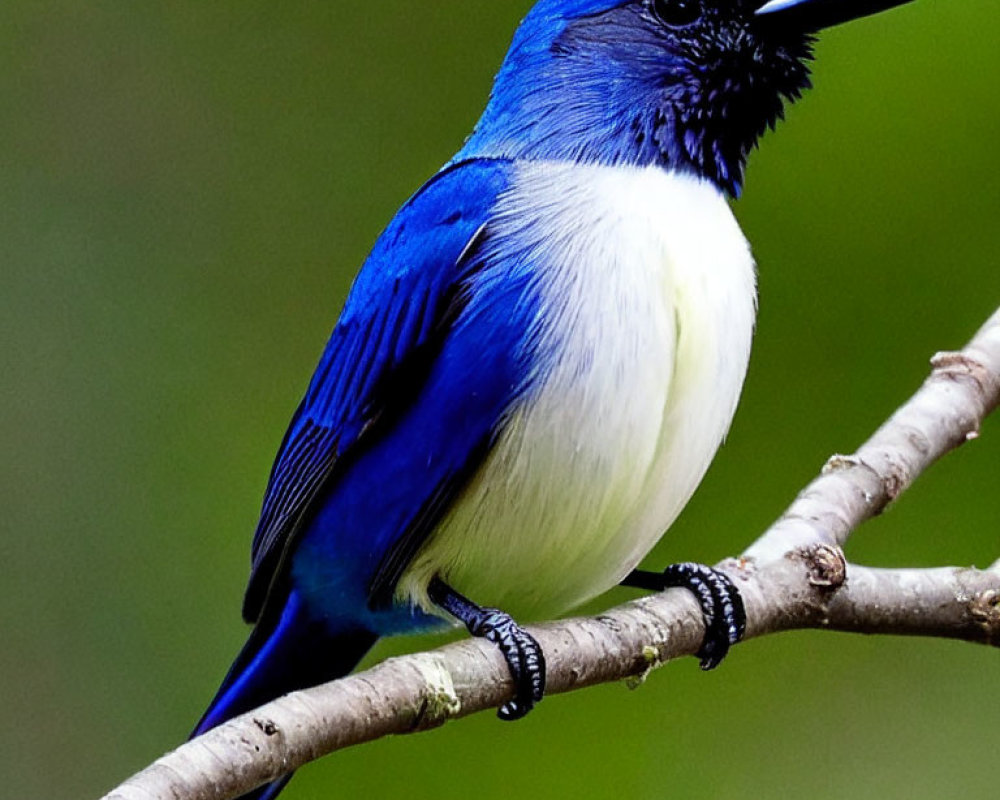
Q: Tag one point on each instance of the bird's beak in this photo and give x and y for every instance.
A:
(813, 15)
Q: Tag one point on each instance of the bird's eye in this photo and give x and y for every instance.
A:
(677, 13)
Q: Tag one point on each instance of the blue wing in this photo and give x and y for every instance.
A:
(397, 318)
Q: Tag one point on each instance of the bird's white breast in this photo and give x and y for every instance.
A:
(647, 311)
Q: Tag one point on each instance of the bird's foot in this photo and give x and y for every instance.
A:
(522, 652)
(720, 601)
(524, 659)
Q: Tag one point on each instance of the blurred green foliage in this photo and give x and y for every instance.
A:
(187, 189)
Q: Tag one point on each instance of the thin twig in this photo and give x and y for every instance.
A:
(946, 412)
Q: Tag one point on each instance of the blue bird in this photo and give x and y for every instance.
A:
(540, 356)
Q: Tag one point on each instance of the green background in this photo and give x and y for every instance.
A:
(186, 189)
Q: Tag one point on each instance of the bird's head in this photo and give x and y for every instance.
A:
(687, 84)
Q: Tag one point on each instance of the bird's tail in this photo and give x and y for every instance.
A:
(293, 653)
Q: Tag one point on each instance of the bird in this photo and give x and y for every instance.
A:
(539, 357)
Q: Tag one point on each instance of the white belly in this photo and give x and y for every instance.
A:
(648, 302)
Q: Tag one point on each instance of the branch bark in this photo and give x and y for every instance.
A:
(794, 576)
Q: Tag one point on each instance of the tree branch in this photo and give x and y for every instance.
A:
(794, 576)
(947, 411)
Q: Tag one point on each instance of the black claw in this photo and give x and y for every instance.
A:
(720, 601)
(523, 654)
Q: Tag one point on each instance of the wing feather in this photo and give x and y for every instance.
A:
(391, 327)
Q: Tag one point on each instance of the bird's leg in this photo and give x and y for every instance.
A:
(524, 656)
(720, 601)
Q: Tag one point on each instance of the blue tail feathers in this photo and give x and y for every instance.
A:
(292, 653)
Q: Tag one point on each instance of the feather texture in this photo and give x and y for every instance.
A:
(647, 287)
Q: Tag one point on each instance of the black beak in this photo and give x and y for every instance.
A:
(813, 15)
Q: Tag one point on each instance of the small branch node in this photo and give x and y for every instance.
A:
(957, 365)
(893, 477)
(651, 655)
(838, 462)
(984, 608)
(438, 699)
(826, 565)
(897, 478)
(964, 368)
